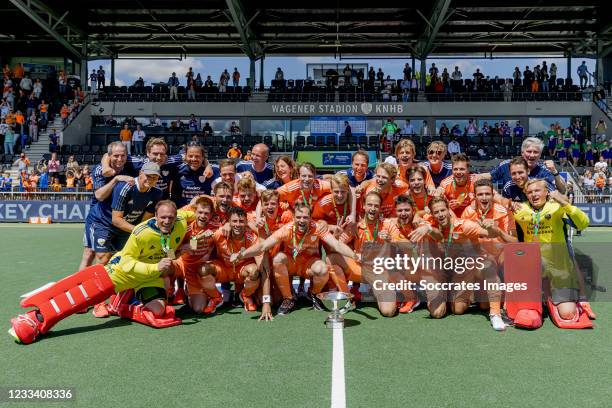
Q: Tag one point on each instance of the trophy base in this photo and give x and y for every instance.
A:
(334, 323)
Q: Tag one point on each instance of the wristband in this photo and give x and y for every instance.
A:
(266, 299)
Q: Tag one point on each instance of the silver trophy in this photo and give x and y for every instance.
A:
(338, 304)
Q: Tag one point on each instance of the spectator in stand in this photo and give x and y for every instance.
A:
(575, 149)
(407, 72)
(248, 156)
(380, 75)
(279, 75)
(235, 129)
(471, 130)
(433, 73)
(138, 137)
(9, 139)
(22, 163)
(33, 127)
(101, 77)
(8, 182)
(599, 96)
(173, 83)
(37, 89)
(478, 77)
(506, 89)
(371, 76)
(198, 81)
(43, 181)
(414, 89)
(516, 75)
(456, 77)
(64, 112)
(223, 80)
(193, 123)
(552, 73)
(208, 84)
(56, 186)
(346, 73)
(7, 72)
(53, 165)
(600, 130)
(87, 178)
(443, 131)
(408, 129)
(30, 106)
(234, 152)
(207, 130)
(235, 77)
(20, 123)
(454, 147)
(126, 138)
(388, 132)
(139, 83)
(62, 81)
(93, 81)
(191, 89)
(348, 131)
(544, 77)
(583, 73)
(53, 142)
(425, 130)
(189, 75)
(26, 84)
(156, 121)
(601, 165)
(600, 182)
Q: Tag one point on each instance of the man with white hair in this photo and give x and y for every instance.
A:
(531, 150)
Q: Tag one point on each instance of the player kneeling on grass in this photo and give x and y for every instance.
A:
(299, 256)
(141, 265)
(244, 273)
(542, 220)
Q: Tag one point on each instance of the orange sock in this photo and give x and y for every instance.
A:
(281, 276)
(337, 276)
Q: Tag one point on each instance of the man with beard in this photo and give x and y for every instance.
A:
(459, 188)
(300, 255)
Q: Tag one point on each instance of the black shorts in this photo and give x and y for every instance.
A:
(146, 295)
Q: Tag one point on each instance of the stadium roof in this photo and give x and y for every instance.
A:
(253, 28)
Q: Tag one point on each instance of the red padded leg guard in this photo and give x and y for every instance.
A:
(586, 306)
(140, 314)
(116, 301)
(523, 265)
(73, 293)
(580, 321)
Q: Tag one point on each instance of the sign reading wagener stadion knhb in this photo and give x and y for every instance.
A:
(365, 108)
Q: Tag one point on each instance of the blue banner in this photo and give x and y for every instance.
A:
(58, 210)
(599, 214)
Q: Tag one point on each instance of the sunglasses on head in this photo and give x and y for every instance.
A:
(438, 152)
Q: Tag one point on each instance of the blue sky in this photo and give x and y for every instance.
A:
(128, 70)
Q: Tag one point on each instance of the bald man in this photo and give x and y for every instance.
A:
(258, 165)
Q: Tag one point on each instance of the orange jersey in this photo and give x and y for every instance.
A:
(371, 232)
(463, 194)
(463, 232)
(403, 170)
(205, 245)
(501, 217)
(70, 182)
(237, 203)
(297, 245)
(88, 183)
(387, 207)
(421, 201)
(234, 153)
(326, 209)
(272, 224)
(291, 192)
(218, 219)
(228, 246)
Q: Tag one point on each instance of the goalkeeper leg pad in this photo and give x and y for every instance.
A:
(523, 265)
(141, 314)
(580, 321)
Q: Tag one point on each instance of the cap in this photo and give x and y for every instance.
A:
(150, 168)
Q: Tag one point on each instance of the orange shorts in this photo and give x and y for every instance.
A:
(191, 273)
(354, 270)
(224, 273)
(300, 265)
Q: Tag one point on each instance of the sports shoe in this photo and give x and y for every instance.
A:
(316, 302)
(586, 306)
(213, 304)
(356, 293)
(25, 327)
(286, 307)
(100, 311)
(497, 322)
(248, 303)
(408, 307)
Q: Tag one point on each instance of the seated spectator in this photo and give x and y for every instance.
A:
(234, 152)
(248, 156)
(207, 130)
(454, 147)
(235, 129)
(156, 121)
(139, 83)
(208, 84)
(56, 186)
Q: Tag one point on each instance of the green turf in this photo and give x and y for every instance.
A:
(233, 360)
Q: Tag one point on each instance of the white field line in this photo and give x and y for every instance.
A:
(338, 390)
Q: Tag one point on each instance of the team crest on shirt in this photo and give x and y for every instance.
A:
(165, 172)
(101, 241)
(455, 235)
(548, 216)
(313, 238)
(202, 179)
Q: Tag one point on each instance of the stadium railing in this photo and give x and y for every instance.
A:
(160, 93)
(19, 194)
(603, 197)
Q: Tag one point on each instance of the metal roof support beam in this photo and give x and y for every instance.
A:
(32, 9)
(252, 46)
(438, 17)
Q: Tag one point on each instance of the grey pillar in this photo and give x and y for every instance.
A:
(84, 70)
(423, 72)
(261, 73)
(252, 74)
(599, 64)
(569, 65)
(413, 66)
(112, 73)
